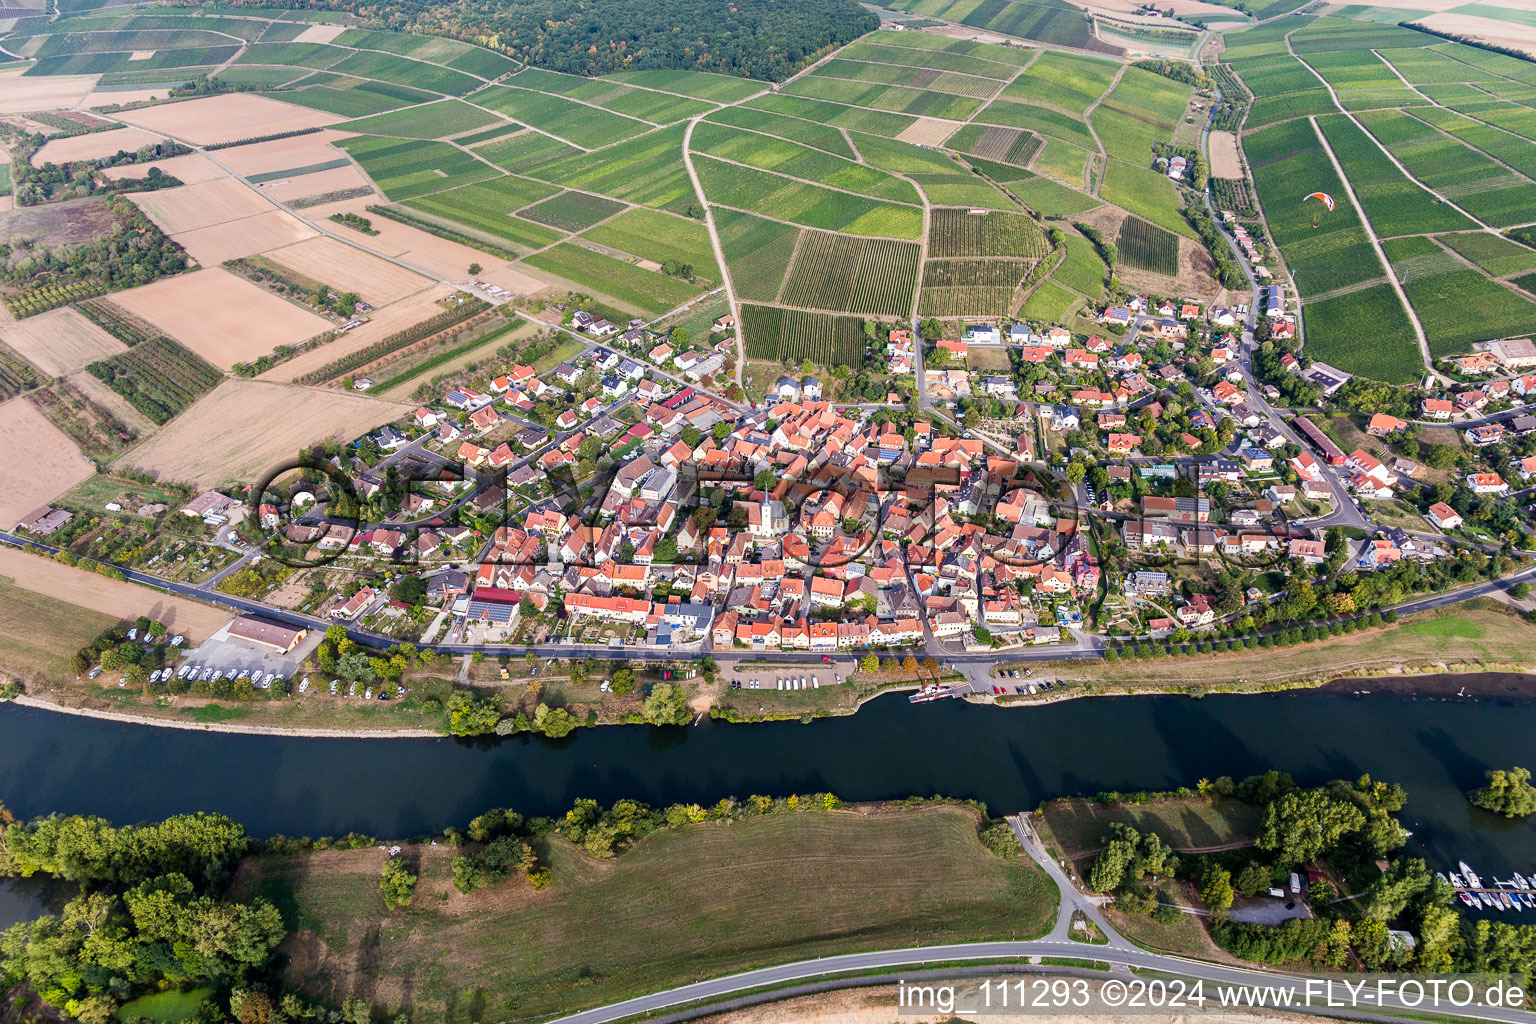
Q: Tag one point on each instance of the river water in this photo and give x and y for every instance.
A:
(1012, 759)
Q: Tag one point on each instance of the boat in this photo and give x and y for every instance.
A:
(1458, 881)
(1520, 881)
(1504, 901)
(1473, 882)
(1487, 900)
(1466, 898)
(1441, 875)
(930, 692)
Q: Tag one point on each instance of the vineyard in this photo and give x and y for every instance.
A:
(969, 287)
(159, 378)
(458, 313)
(51, 296)
(859, 275)
(794, 335)
(1145, 246)
(955, 233)
(16, 374)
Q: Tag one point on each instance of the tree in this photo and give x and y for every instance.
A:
(678, 337)
(467, 875)
(591, 449)
(869, 664)
(624, 682)
(397, 882)
(909, 664)
(474, 269)
(1302, 824)
(667, 705)
(765, 480)
(1509, 793)
(1114, 860)
(1252, 880)
(721, 431)
(1216, 889)
(470, 716)
(554, 722)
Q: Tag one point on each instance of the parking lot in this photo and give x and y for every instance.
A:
(232, 655)
(783, 679)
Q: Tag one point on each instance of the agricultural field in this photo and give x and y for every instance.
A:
(1393, 204)
(1480, 185)
(1046, 21)
(1457, 305)
(159, 378)
(1496, 254)
(1365, 332)
(486, 208)
(647, 170)
(1050, 302)
(577, 123)
(807, 133)
(883, 97)
(1288, 162)
(572, 211)
(657, 236)
(855, 275)
(1082, 270)
(412, 74)
(217, 440)
(1068, 82)
(645, 290)
(970, 287)
(794, 335)
(838, 115)
(16, 374)
(955, 233)
(757, 251)
(1041, 120)
(756, 191)
(57, 343)
(344, 268)
(227, 118)
(797, 161)
(997, 144)
(1145, 193)
(1145, 246)
(40, 464)
(1050, 199)
(350, 97)
(1142, 109)
(696, 84)
(407, 169)
(429, 121)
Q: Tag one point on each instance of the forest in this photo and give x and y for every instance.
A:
(762, 39)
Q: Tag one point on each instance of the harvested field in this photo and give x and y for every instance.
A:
(244, 428)
(1224, 159)
(40, 463)
(283, 154)
(92, 146)
(116, 598)
(247, 236)
(319, 33)
(411, 245)
(227, 118)
(382, 323)
(927, 131)
(321, 183)
(59, 341)
(196, 206)
(223, 318)
(19, 95)
(344, 268)
(513, 280)
(112, 97)
(1488, 30)
(189, 170)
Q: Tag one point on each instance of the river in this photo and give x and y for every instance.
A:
(1012, 759)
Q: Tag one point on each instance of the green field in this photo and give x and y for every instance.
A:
(854, 275)
(795, 160)
(1494, 253)
(487, 207)
(1146, 193)
(699, 85)
(1064, 162)
(406, 169)
(351, 97)
(1042, 120)
(643, 289)
(1066, 81)
(958, 189)
(1288, 162)
(793, 128)
(430, 121)
(1457, 305)
(884, 97)
(657, 236)
(1079, 826)
(403, 71)
(701, 901)
(1050, 199)
(857, 119)
(1145, 246)
(647, 170)
(572, 211)
(794, 335)
(1393, 204)
(1141, 110)
(38, 633)
(585, 126)
(902, 157)
(164, 1007)
(1050, 302)
(758, 191)
(1477, 183)
(1516, 152)
(758, 252)
(1365, 332)
(523, 151)
(1082, 270)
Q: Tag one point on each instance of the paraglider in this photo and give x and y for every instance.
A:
(1323, 197)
